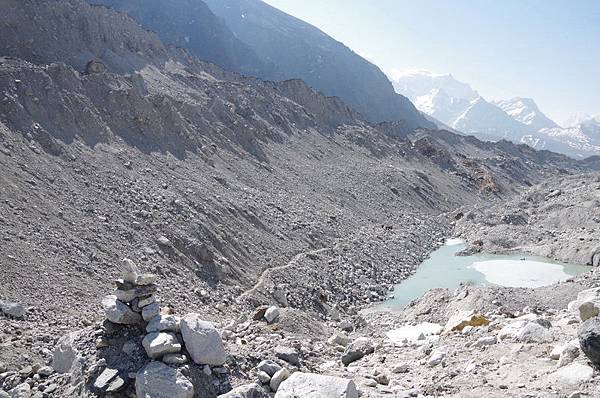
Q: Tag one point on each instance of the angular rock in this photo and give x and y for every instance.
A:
(589, 339)
(65, 353)
(259, 313)
(533, 332)
(164, 323)
(272, 313)
(128, 296)
(103, 381)
(45, 371)
(118, 312)
(116, 385)
(145, 279)
(202, 340)
(164, 241)
(144, 301)
(437, 356)
(288, 354)
(150, 311)
(589, 309)
(526, 330)
(129, 270)
(309, 385)
(246, 391)
(356, 350)
(269, 367)
(339, 339)
(160, 344)
(281, 375)
(157, 380)
(568, 355)
(462, 319)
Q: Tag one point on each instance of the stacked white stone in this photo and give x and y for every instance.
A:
(134, 303)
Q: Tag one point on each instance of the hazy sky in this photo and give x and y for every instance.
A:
(548, 50)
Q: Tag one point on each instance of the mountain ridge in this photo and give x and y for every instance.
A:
(518, 119)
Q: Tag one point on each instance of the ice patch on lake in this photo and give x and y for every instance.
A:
(521, 273)
(454, 241)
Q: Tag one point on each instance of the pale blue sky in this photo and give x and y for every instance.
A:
(548, 50)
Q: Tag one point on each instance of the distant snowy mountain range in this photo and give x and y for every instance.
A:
(457, 105)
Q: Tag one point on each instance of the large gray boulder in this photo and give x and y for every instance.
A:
(253, 390)
(157, 380)
(65, 353)
(356, 350)
(118, 312)
(589, 340)
(310, 385)
(202, 341)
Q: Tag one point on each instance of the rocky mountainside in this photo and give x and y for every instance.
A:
(299, 50)
(191, 25)
(267, 212)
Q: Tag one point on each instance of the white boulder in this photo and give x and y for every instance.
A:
(310, 385)
(202, 341)
(572, 375)
(118, 312)
(65, 353)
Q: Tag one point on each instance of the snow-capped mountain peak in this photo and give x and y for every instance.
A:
(417, 83)
(526, 111)
(458, 105)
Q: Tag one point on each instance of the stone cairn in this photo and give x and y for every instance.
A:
(169, 339)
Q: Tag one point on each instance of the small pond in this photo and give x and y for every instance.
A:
(446, 270)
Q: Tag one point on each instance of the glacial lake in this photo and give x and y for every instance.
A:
(443, 269)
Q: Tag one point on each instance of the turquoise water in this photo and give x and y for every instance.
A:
(445, 270)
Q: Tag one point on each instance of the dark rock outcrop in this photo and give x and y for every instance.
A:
(589, 340)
